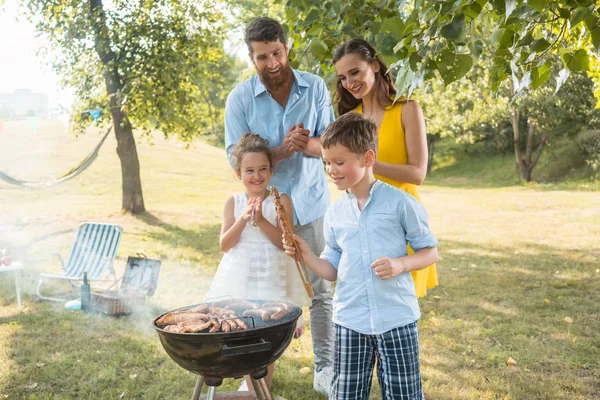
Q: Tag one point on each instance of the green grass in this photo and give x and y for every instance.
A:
(562, 168)
(515, 262)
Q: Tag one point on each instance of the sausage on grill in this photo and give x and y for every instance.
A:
(259, 312)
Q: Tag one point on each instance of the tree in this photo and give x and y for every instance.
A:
(143, 63)
(526, 125)
(430, 37)
(547, 115)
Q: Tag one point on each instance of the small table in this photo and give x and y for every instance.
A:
(17, 267)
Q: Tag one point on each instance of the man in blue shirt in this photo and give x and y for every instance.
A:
(290, 109)
(375, 308)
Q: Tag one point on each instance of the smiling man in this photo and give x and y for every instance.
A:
(290, 109)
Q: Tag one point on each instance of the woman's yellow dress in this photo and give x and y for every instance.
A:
(391, 149)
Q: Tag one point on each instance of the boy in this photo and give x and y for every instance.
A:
(375, 308)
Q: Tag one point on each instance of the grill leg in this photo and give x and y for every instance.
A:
(211, 393)
(198, 388)
(261, 388)
(257, 388)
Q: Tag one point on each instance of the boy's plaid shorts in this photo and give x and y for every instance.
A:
(398, 370)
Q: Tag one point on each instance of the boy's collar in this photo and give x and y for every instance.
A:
(375, 185)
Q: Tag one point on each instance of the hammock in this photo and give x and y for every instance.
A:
(79, 168)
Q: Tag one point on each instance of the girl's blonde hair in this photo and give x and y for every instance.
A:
(250, 143)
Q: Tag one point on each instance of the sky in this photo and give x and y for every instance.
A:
(19, 66)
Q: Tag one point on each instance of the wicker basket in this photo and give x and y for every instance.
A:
(116, 303)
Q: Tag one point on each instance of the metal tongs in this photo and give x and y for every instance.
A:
(288, 231)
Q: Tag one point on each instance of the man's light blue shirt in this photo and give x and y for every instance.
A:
(390, 219)
(250, 108)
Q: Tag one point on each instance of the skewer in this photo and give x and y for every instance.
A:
(287, 230)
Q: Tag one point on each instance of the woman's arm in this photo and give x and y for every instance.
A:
(416, 147)
(231, 229)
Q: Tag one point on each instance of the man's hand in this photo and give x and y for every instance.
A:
(299, 137)
(386, 267)
(285, 150)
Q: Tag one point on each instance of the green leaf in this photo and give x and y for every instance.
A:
(580, 14)
(507, 40)
(539, 5)
(499, 6)
(496, 36)
(540, 45)
(510, 7)
(395, 26)
(540, 76)
(312, 16)
(315, 30)
(564, 12)
(577, 61)
(476, 48)
(409, 28)
(403, 43)
(452, 66)
(595, 34)
(414, 61)
(454, 29)
(592, 22)
(318, 48)
(404, 77)
(472, 10)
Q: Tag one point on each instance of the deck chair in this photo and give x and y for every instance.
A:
(93, 252)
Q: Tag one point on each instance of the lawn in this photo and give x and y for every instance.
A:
(519, 278)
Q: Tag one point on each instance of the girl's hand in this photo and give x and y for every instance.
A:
(258, 216)
(246, 216)
(387, 268)
(290, 249)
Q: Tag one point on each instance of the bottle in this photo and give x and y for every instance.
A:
(86, 295)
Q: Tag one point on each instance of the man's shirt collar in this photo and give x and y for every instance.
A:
(260, 88)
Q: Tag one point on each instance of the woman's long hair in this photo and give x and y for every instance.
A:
(384, 83)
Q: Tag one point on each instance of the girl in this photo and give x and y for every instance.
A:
(366, 86)
(254, 265)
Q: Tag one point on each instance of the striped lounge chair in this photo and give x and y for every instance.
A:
(93, 252)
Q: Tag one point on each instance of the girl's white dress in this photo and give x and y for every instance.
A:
(255, 268)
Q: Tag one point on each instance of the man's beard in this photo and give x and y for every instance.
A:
(274, 84)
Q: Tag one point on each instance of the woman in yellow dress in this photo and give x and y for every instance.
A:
(366, 86)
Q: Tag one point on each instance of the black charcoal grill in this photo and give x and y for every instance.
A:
(214, 356)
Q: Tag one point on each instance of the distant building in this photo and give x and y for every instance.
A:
(23, 103)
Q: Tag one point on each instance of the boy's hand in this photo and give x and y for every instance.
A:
(386, 267)
(290, 249)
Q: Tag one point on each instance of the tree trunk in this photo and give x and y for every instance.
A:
(514, 120)
(526, 164)
(431, 139)
(133, 199)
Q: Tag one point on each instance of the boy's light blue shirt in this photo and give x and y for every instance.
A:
(250, 108)
(390, 219)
